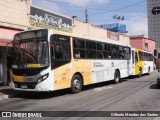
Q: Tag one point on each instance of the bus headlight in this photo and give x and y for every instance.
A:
(41, 79)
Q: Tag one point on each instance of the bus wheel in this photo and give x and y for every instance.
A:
(116, 77)
(140, 72)
(76, 84)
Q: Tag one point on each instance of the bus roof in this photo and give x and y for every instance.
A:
(141, 50)
(81, 37)
(91, 38)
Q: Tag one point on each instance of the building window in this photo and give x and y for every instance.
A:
(146, 45)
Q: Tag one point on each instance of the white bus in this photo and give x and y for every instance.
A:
(48, 61)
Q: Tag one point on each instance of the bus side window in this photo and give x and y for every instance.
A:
(52, 51)
(141, 55)
(133, 57)
(127, 52)
(79, 48)
(60, 50)
(91, 49)
(136, 57)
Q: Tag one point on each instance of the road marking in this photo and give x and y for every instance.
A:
(103, 88)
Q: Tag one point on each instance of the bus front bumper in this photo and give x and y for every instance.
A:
(44, 86)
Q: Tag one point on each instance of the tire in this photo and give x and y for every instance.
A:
(116, 77)
(140, 72)
(76, 84)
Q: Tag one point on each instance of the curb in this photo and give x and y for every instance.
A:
(4, 97)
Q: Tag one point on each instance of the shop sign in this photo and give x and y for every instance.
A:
(113, 35)
(44, 19)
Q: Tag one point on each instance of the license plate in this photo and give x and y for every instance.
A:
(24, 86)
(28, 79)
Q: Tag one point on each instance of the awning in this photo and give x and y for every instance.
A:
(6, 35)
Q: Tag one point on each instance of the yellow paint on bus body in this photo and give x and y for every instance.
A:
(63, 75)
(33, 65)
(139, 65)
(17, 78)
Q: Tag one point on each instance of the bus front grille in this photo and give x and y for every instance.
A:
(25, 85)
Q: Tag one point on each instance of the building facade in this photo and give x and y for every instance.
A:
(153, 8)
(13, 18)
(143, 43)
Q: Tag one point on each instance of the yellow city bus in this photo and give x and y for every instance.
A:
(142, 62)
(48, 61)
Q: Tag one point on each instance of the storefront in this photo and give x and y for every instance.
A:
(6, 36)
(1, 66)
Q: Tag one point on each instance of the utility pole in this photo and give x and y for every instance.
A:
(86, 15)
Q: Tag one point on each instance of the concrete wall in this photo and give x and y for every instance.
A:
(151, 44)
(88, 30)
(124, 39)
(136, 43)
(15, 13)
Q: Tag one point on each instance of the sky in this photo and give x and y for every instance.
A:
(102, 12)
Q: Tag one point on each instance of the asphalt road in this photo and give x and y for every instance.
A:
(132, 94)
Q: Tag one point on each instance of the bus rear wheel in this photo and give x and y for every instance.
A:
(76, 84)
(116, 77)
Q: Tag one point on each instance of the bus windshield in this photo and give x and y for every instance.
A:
(30, 51)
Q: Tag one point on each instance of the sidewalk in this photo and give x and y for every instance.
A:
(7, 92)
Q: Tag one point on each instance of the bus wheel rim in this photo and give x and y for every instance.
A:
(76, 84)
(117, 77)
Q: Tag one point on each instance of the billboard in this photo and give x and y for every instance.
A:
(116, 27)
(44, 19)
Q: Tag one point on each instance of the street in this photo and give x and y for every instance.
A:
(132, 94)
